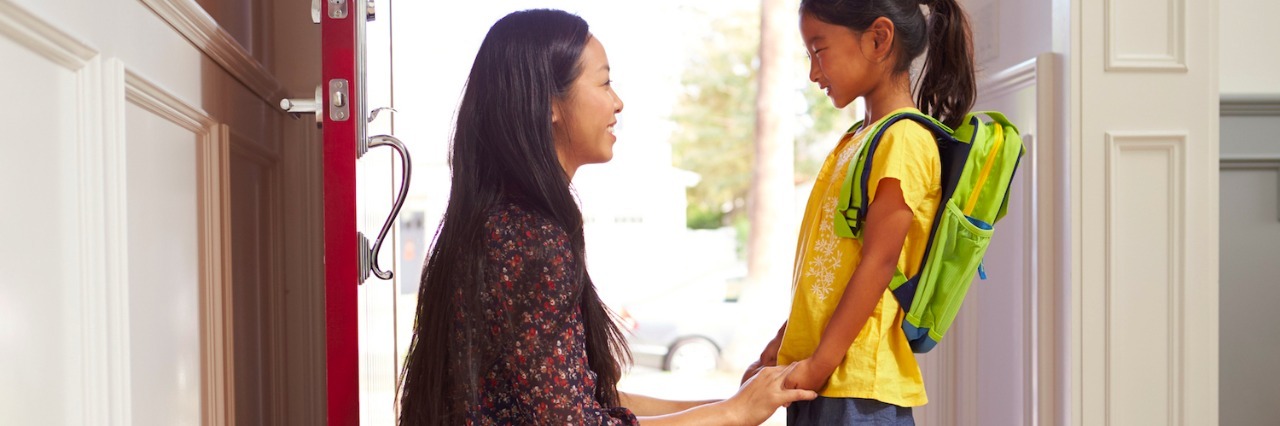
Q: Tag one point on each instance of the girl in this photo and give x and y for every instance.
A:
(509, 327)
(844, 334)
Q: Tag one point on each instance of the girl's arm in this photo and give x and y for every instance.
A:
(755, 401)
(888, 220)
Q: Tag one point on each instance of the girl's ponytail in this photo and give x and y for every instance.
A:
(947, 86)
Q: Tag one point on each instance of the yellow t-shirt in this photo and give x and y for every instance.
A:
(879, 364)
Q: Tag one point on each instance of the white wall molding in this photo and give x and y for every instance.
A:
(1038, 251)
(143, 93)
(1172, 146)
(1009, 80)
(96, 288)
(194, 23)
(117, 224)
(42, 38)
(213, 206)
(1249, 105)
(1251, 162)
(1050, 182)
(1173, 56)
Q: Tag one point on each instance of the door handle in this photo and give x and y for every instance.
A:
(369, 256)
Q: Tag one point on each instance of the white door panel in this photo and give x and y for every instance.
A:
(115, 284)
(40, 264)
(164, 265)
(45, 273)
(1144, 137)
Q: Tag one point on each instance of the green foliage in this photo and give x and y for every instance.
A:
(700, 217)
(715, 121)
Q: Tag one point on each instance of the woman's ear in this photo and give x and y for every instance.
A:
(882, 33)
(555, 112)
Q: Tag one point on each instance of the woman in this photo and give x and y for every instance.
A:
(510, 329)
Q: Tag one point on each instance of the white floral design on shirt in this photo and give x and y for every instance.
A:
(825, 259)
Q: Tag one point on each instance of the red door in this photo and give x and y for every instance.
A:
(350, 258)
(341, 85)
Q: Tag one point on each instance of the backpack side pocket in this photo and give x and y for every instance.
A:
(959, 246)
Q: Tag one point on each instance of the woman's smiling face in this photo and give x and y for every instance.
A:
(584, 119)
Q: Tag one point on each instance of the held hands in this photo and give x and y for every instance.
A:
(809, 373)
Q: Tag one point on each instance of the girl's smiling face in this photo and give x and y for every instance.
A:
(584, 119)
(838, 60)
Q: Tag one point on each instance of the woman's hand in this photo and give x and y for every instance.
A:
(808, 374)
(761, 396)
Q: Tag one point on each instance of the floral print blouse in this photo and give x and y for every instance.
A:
(536, 333)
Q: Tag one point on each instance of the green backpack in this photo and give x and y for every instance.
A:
(978, 162)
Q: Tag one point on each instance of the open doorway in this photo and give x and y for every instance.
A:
(666, 219)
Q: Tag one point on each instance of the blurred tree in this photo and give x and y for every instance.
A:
(771, 200)
(715, 121)
(716, 118)
(751, 124)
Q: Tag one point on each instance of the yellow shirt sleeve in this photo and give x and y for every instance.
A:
(909, 153)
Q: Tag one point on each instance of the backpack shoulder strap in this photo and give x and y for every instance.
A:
(995, 117)
(851, 211)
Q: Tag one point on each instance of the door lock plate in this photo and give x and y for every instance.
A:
(337, 9)
(339, 100)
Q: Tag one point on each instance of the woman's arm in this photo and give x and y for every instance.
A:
(888, 220)
(648, 406)
(755, 401)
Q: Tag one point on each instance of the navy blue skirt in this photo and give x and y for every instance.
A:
(848, 412)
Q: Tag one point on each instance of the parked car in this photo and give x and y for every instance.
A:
(679, 337)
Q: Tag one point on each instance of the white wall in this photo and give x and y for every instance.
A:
(1250, 212)
(1009, 32)
(1250, 240)
(990, 372)
(1248, 61)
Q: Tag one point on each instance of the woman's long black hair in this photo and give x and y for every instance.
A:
(503, 151)
(947, 87)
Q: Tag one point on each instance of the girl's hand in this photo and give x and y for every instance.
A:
(752, 370)
(808, 374)
(768, 358)
(761, 396)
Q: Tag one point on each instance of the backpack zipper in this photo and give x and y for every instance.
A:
(986, 169)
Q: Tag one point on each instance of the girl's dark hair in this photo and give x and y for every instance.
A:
(503, 151)
(947, 85)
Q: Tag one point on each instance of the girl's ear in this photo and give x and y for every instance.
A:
(555, 112)
(881, 32)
